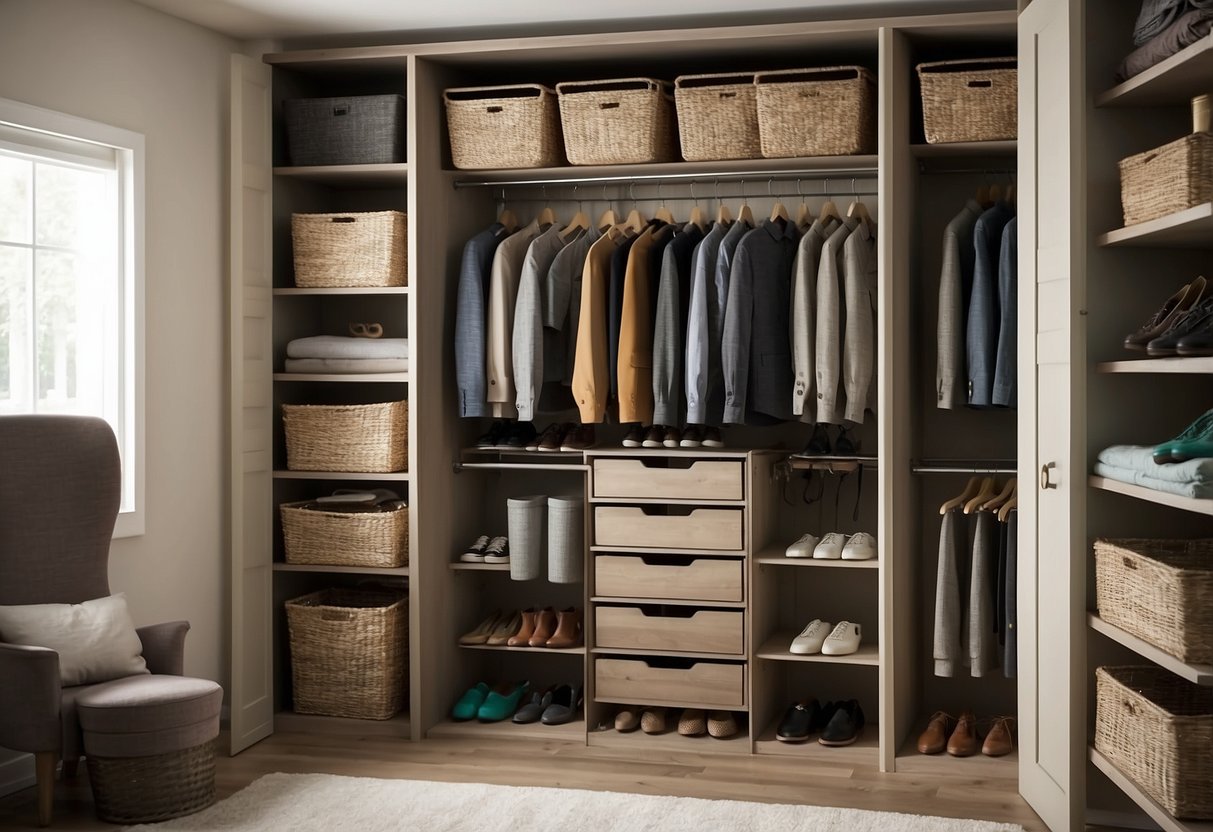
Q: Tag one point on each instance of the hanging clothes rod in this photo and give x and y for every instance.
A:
(814, 174)
(964, 466)
(923, 167)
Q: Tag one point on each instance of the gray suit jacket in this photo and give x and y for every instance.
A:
(859, 340)
(669, 341)
(981, 327)
(831, 321)
(528, 335)
(755, 352)
(1006, 367)
(562, 305)
(804, 299)
(699, 328)
(470, 320)
(955, 285)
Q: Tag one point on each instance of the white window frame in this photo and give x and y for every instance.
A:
(128, 147)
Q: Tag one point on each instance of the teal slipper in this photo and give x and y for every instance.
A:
(501, 703)
(1170, 451)
(470, 702)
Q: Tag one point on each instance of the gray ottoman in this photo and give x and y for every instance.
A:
(149, 742)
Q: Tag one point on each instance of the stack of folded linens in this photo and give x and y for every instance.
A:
(1194, 22)
(1135, 464)
(343, 355)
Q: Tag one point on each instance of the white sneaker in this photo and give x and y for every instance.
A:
(843, 641)
(810, 639)
(830, 547)
(803, 547)
(860, 546)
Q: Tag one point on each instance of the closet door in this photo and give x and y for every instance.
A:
(251, 418)
(1052, 374)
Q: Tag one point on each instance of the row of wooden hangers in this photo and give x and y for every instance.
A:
(981, 494)
(987, 195)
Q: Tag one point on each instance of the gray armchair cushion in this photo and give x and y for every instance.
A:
(145, 715)
(164, 647)
(29, 698)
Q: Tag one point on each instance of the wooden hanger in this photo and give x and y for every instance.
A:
(663, 214)
(779, 212)
(995, 193)
(698, 218)
(579, 222)
(723, 215)
(635, 221)
(744, 214)
(1009, 506)
(859, 211)
(546, 217)
(970, 490)
(1008, 491)
(983, 196)
(984, 495)
(803, 218)
(829, 211)
(507, 218)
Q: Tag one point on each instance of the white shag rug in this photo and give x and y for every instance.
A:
(328, 803)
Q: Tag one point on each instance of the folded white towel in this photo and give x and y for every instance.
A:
(339, 346)
(350, 366)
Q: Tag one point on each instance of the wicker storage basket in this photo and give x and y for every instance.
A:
(717, 117)
(349, 652)
(1172, 178)
(359, 438)
(150, 789)
(504, 127)
(617, 122)
(354, 130)
(345, 538)
(1158, 730)
(970, 101)
(1160, 591)
(816, 112)
(349, 250)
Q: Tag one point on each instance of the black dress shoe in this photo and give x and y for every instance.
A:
(495, 435)
(844, 726)
(519, 435)
(819, 442)
(799, 721)
(846, 444)
(1172, 311)
(1197, 318)
(1200, 340)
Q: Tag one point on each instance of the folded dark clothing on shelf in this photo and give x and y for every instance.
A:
(1140, 458)
(339, 346)
(347, 366)
(1184, 32)
(1156, 15)
(1197, 490)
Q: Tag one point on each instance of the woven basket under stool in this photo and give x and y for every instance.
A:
(156, 788)
(504, 127)
(1160, 591)
(816, 112)
(349, 652)
(1171, 178)
(316, 536)
(717, 116)
(970, 101)
(367, 249)
(1158, 730)
(617, 122)
(358, 438)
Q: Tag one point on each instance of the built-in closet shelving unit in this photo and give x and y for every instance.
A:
(456, 492)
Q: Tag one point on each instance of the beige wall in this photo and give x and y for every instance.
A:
(120, 63)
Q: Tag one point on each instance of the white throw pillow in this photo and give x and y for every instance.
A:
(96, 641)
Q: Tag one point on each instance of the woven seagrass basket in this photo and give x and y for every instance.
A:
(816, 112)
(358, 438)
(617, 122)
(717, 116)
(345, 538)
(504, 127)
(350, 250)
(1171, 178)
(970, 101)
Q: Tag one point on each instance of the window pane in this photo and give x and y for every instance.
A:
(16, 181)
(57, 301)
(16, 340)
(67, 203)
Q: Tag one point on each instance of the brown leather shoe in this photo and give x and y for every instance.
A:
(545, 627)
(1175, 308)
(1000, 741)
(964, 741)
(568, 630)
(506, 627)
(934, 740)
(523, 637)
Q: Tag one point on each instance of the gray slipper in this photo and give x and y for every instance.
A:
(534, 708)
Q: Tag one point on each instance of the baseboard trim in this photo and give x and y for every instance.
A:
(17, 774)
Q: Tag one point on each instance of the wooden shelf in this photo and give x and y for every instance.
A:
(649, 550)
(678, 654)
(399, 476)
(865, 751)
(775, 648)
(909, 760)
(1201, 674)
(352, 176)
(664, 501)
(1192, 228)
(669, 703)
(960, 150)
(1148, 804)
(289, 721)
(774, 557)
(671, 602)
(640, 745)
(394, 571)
(339, 378)
(295, 291)
(1150, 495)
(506, 730)
(688, 453)
(1192, 366)
(861, 166)
(1172, 82)
(460, 566)
(570, 651)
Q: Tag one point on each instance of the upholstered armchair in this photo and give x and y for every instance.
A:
(59, 495)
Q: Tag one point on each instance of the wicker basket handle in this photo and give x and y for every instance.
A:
(343, 219)
(1129, 563)
(980, 84)
(341, 108)
(331, 614)
(1129, 706)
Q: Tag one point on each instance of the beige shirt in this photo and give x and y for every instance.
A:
(503, 296)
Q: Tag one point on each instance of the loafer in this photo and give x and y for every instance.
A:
(844, 726)
(634, 437)
(830, 547)
(507, 627)
(712, 438)
(819, 442)
(475, 552)
(580, 438)
(654, 437)
(1197, 342)
(627, 720)
(673, 438)
(652, 721)
(1167, 343)
(1000, 741)
(563, 706)
(493, 437)
(843, 640)
(964, 741)
(1202, 428)
(1175, 308)
(480, 634)
(803, 547)
(799, 721)
(533, 708)
(692, 723)
(469, 704)
(722, 725)
(811, 638)
(692, 437)
(502, 701)
(859, 546)
(934, 740)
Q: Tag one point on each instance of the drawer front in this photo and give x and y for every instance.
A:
(706, 684)
(701, 631)
(681, 579)
(703, 528)
(641, 479)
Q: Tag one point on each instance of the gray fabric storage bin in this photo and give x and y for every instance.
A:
(354, 130)
(566, 548)
(527, 534)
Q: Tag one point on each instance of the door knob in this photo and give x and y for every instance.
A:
(1045, 484)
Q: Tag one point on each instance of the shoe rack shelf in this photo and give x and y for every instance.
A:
(395, 572)
(1195, 365)
(459, 566)
(1171, 82)
(1197, 506)
(567, 651)
(399, 476)
(1191, 228)
(1149, 805)
(641, 744)
(909, 759)
(1200, 674)
(570, 732)
(776, 649)
(333, 378)
(777, 558)
(385, 175)
(865, 751)
(298, 291)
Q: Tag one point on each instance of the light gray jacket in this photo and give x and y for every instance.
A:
(955, 284)
(830, 325)
(859, 340)
(703, 327)
(804, 323)
(528, 335)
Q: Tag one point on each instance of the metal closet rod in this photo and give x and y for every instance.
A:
(927, 169)
(814, 174)
(964, 466)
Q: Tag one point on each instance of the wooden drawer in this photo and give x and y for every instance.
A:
(701, 528)
(669, 479)
(678, 578)
(664, 628)
(658, 681)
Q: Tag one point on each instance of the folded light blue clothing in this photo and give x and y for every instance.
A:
(1198, 490)
(1140, 458)
(339, 346)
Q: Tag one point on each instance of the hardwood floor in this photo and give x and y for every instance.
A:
(724, 776)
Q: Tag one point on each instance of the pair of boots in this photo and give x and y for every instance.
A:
(555, 629)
